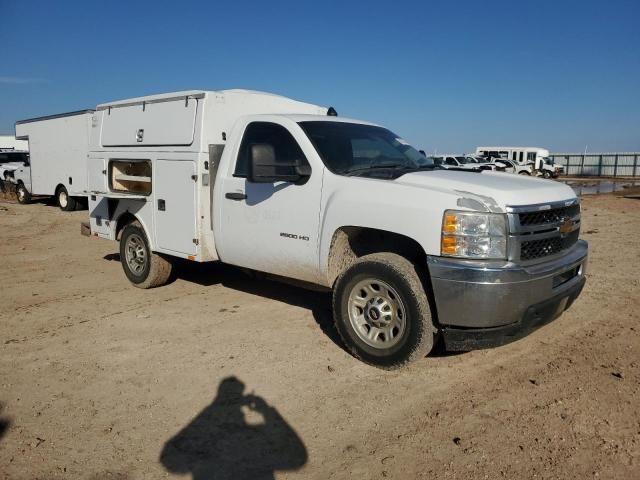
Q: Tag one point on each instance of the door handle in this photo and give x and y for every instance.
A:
(235, 196)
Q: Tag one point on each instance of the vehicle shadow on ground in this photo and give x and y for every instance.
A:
(4, 425)
(237, 436)
(216, 273)
(255, 283)
(46, 201)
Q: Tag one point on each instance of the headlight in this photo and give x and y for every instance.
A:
(474, 235)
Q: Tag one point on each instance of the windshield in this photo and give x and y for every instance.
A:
(548, 160)
(349, 147)
(463, 160)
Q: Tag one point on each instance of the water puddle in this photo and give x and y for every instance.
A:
(593, 187)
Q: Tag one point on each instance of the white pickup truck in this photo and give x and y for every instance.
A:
(10, 161)
(413, 254)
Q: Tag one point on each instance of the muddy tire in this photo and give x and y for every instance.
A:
(65, 202)
(22, 194)
(381, 311)
(143, 268)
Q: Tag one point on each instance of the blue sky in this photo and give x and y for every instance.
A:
(447, 76)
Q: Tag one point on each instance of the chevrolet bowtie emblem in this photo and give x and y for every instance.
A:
(566, 226)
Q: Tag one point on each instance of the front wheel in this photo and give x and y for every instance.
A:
(143, 268)
(546, 174)
(381, 311)
(524, 172)
(22, 194)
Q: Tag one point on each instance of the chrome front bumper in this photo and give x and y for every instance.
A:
(487, 304)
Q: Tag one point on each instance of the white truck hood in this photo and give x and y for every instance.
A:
(492, 190)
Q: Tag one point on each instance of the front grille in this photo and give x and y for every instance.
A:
(530, 250)
(548, 216)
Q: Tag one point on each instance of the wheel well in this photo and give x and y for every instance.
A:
(350, 243)
(125, 219)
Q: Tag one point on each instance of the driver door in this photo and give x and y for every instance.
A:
(270, 227)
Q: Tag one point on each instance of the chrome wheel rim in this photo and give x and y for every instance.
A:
(377, 313)
(135, 253)
(62, 198)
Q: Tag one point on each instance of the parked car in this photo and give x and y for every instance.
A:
(450, 161)
(412, 253)
(512, 167)
(477, 159)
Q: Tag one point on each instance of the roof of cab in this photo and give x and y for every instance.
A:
(305, 117)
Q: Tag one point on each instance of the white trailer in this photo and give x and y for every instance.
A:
(411, 252)
(58, 146)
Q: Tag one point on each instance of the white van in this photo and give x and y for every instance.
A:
(58, 147)
(537, 157)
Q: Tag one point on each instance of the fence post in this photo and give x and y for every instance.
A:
(582, 165)
(600, 166)
(615, 167)
(635, 164)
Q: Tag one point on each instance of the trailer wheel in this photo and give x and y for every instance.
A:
(22, 194)
(381, 311)
(143, 268)
(65, 202)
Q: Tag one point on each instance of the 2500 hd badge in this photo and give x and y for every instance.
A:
(293, 236)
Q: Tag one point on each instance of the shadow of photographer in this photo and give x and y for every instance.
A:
(4, 424)
(237, 436)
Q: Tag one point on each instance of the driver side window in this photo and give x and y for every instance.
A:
(286, 149)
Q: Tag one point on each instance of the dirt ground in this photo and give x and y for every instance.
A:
(219, 375)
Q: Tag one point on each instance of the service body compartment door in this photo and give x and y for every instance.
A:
(175, 206)
(99, 216)
(96, 175)
(163, 123)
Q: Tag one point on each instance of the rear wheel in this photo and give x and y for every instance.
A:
(22, 194)
(65, 202)
(381, 311)
(143, 268)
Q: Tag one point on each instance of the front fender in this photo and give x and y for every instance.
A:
(410, 211)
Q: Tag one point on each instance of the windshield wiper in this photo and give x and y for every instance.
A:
(356, 171)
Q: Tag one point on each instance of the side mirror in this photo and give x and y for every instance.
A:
(264, 167)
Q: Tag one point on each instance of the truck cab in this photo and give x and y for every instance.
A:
(414, 254)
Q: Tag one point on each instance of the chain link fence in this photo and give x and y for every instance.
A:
(616, 164)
